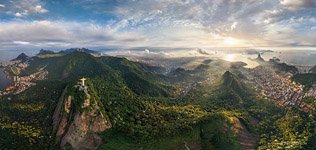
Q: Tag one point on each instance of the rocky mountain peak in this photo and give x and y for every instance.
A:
(77, 119)
(22, 57)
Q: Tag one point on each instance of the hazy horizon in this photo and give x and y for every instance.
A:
(294, 57)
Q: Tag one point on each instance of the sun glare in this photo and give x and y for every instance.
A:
(230, 41)
(229, 57)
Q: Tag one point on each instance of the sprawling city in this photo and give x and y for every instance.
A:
(158, 74)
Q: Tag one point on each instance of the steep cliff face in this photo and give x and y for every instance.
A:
(78, 117)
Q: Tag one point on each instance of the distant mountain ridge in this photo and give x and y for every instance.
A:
(43, 52)
(67, 51)
(139, 77)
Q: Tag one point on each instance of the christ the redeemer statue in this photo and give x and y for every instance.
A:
(82, 81)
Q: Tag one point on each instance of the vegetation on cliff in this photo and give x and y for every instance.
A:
(144, 111)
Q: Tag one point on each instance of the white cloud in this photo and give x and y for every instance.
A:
(43, 34)
(298, 4)
(167, 23)
(39, 9)
(21, 8)
(21, 42)
(207, 23)
(233, 26)
(21, 14)
(18, 14)
(2, 6)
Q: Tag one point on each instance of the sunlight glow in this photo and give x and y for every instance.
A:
(231, 41)
(229, 57)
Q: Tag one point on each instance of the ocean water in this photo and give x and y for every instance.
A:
(289, 57)
(294, 57)
(7, 55)
(4, 82)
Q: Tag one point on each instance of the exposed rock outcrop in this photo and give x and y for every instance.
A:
(77, 118)
(247, 140)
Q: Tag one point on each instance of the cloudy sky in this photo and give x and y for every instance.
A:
(278, 24)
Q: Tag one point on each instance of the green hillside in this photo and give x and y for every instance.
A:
(223, 113)
(114, 82)
(138, 77)
(25, 121)
(306, 79)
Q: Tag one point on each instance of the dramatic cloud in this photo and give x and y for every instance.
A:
(224, 23)
(159, 23)
(63, 34)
